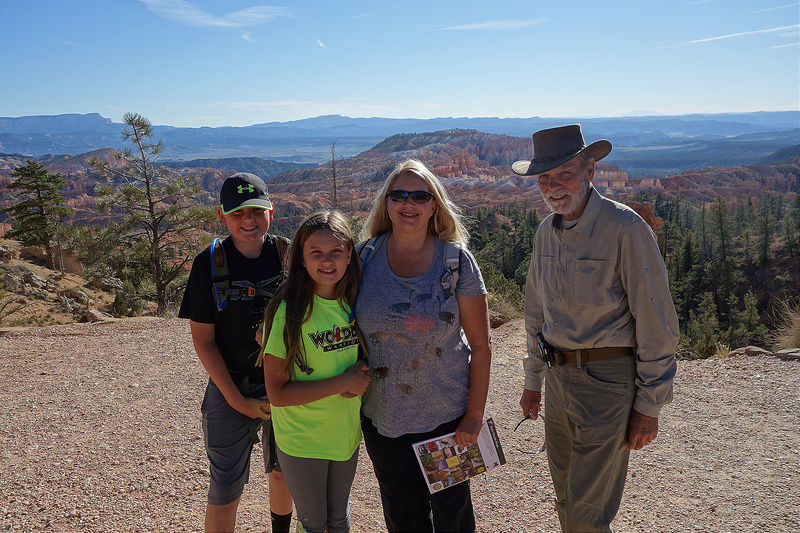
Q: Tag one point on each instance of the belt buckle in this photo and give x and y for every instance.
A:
(554, 357)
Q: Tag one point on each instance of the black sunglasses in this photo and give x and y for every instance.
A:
(419, 197)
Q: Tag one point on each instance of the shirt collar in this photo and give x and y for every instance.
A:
(587, 220)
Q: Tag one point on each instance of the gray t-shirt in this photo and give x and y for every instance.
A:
(418, 354)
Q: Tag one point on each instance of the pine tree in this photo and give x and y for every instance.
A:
(37, 214)
(793, 232)
(765, 230)
(160, 223)
(702, 331)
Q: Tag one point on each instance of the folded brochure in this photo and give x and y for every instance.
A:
(444, 463)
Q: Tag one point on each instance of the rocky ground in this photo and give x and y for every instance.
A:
(100, 431)
(33, 295)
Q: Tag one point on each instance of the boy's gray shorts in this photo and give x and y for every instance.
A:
(229, 438)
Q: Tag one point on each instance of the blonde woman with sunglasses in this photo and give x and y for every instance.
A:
(428, 344)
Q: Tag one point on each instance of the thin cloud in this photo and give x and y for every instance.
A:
(72, 44)
(779, 7)
(67, 43)
(321, 44)
(729, 36)
(189, 14)
(496, 25)
(769, 30)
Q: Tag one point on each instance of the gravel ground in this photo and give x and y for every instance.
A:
(100, 431)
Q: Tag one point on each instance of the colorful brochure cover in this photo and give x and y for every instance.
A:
(444, 463)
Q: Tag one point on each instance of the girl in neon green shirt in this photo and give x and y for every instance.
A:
(313, 376)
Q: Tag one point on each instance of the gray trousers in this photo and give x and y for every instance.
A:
(321, 491)
(587, 411)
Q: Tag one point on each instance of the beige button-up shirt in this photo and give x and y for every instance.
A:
(602, 283)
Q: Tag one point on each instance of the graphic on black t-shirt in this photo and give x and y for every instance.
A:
(249, 290)
(235, 326)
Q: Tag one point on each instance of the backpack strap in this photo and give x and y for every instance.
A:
(365, 252)
(452, 268)
(368, 247)
(220, 279)
(451, 257)
(282, 245)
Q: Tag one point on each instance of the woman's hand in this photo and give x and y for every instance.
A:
(467, 431)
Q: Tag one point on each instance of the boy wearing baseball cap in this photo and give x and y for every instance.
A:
(228, 289)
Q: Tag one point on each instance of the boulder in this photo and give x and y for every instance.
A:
(13, 282)
(791, 354)
(7, 254)
(750, 350)
(30, 290)
(496, 319)
(35, 281)
(76, 295)
(93, 315)
(106, 284)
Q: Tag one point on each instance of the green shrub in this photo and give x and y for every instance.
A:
(127, 302)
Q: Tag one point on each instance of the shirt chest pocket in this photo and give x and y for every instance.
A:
(594, 284)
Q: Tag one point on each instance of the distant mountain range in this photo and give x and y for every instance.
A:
(474, 166)
(641, 143)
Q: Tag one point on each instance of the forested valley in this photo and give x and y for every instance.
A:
(733, 266)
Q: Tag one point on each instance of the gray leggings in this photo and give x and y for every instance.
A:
(321, 491)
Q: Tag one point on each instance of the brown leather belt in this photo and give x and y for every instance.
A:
(570, 357)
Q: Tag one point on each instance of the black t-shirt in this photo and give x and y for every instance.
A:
(235, 325)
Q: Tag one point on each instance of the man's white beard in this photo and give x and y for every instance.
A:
(575, 200)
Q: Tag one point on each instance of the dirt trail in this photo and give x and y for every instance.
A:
(100, 431)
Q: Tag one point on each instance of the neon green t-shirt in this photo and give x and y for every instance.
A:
(329, 428)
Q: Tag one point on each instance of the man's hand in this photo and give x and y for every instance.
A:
(531, 403)
(642, 430)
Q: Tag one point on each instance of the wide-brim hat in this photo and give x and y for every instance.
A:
(553, 147)
(244, 190)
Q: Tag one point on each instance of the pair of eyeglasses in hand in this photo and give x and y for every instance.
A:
(544, 446)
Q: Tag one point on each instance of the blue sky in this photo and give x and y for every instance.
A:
(241, 62)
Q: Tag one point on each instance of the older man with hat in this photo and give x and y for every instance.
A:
(602, 330)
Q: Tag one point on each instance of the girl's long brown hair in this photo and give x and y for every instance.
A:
(297, 290)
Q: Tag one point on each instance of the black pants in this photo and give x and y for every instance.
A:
(407, 503)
